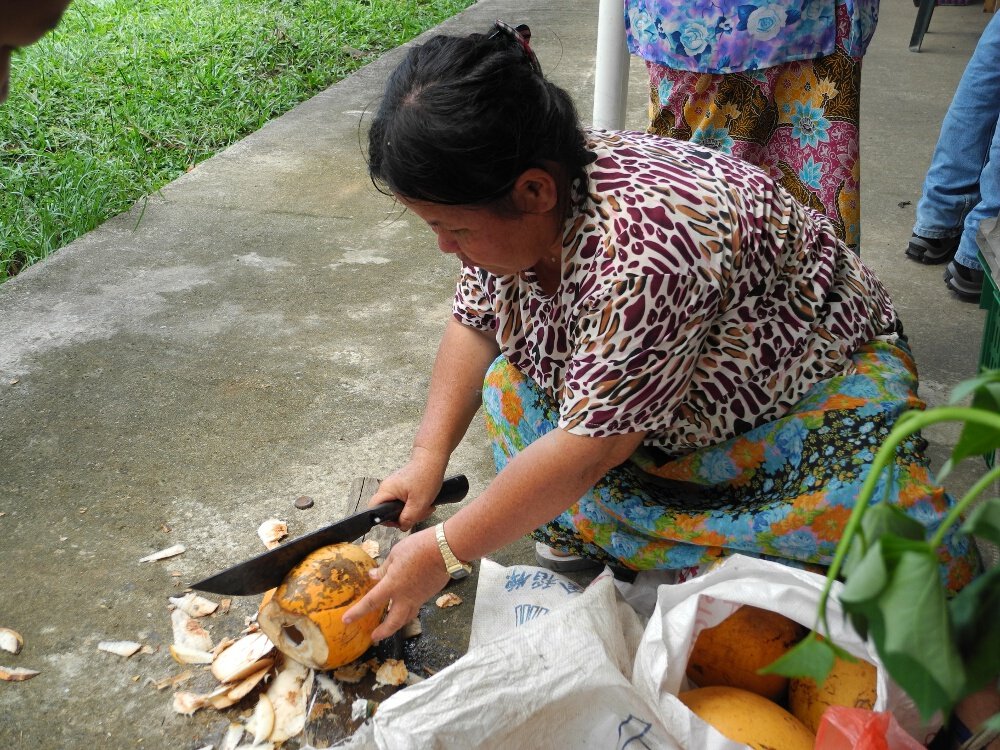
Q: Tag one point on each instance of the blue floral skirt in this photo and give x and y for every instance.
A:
(781, 491)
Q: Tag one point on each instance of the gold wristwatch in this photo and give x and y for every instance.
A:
(456, 568)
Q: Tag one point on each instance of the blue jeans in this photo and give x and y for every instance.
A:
(962, 186)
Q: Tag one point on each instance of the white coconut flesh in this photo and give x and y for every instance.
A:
(295, 635)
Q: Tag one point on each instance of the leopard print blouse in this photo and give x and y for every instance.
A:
(697, 300)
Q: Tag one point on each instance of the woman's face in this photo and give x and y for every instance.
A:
(502, 244)
(24, 22)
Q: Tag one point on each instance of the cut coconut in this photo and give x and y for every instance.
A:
(194, 605)
(17, 674)
(392, 672)
(188, 632)
(289, 695)
(184, 655)
(371, 546)
(242, 658)
(448, 600)
(11, 640)
(163, 554)
(261, 723)
(303, 617)
(272, 531)
(119, 648)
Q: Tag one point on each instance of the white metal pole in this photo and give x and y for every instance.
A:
(611, 75)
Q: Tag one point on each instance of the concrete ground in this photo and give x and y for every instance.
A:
(263, 328)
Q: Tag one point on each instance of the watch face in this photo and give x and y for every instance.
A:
(460, 572)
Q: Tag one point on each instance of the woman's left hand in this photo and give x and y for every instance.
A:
(411, 574)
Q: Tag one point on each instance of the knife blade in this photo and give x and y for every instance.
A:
(268, 569)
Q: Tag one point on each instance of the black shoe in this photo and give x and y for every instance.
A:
(966, 282)
(931, 251)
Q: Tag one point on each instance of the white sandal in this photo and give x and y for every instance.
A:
(563, 562)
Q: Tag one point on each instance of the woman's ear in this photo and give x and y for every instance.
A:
(536, 191)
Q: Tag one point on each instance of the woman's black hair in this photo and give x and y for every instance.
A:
(463, 117)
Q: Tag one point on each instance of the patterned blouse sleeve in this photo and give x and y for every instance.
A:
(474, 295)
(637, 347)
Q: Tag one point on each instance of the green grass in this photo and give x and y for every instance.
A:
(124, 96)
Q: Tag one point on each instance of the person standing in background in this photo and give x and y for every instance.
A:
(775, 84)
(962, 185)
(22, 23)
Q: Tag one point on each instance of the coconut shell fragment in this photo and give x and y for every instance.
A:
(272, 531)
(243, 657)
(289, 695)
(189, 633)
(11, 640)
(194, 605)
(391, 672)
(17, 674)
(163, 554)
(119, 648)
(448, 600)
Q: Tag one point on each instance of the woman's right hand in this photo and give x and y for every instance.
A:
(417, 484)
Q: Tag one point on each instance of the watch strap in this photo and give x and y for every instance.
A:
(455, 567)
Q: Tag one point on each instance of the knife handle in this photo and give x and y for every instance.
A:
(452, 490)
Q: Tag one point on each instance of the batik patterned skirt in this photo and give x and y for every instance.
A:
(798, 121)
(782, 491)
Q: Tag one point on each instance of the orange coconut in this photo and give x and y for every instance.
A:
(849, 683)
(748, 718)
(731, 652)
(302, 616)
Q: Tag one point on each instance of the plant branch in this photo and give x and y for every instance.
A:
(906, 425)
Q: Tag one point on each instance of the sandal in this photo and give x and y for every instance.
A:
(562, 561)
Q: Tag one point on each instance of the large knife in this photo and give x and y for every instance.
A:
(267, 570)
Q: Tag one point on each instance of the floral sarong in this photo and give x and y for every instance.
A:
(798, 121)
(782, 491)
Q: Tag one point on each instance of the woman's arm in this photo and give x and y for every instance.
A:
(454, 397)
(536, 486)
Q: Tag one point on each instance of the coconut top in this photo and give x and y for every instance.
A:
(329, 578)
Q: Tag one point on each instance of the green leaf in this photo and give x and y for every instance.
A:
(976, 439)
(975, 611)
(992, 723)
(910, 625)
(984, 521)
(968, 387)
(878, 520)
(811, 657)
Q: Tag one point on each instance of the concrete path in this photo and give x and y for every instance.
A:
(263, 328)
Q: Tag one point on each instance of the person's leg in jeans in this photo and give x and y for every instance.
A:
(964, 274)
(951, 187)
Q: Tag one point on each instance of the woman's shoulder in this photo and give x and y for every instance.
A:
(645, 169)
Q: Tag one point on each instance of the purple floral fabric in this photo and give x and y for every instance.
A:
(729, 36)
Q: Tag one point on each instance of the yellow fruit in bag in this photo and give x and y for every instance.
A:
(850, 684)
(749, 718)
(731, 652)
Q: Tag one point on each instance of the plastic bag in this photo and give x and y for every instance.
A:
(843, 728)
(549, 666)
(684, 609)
